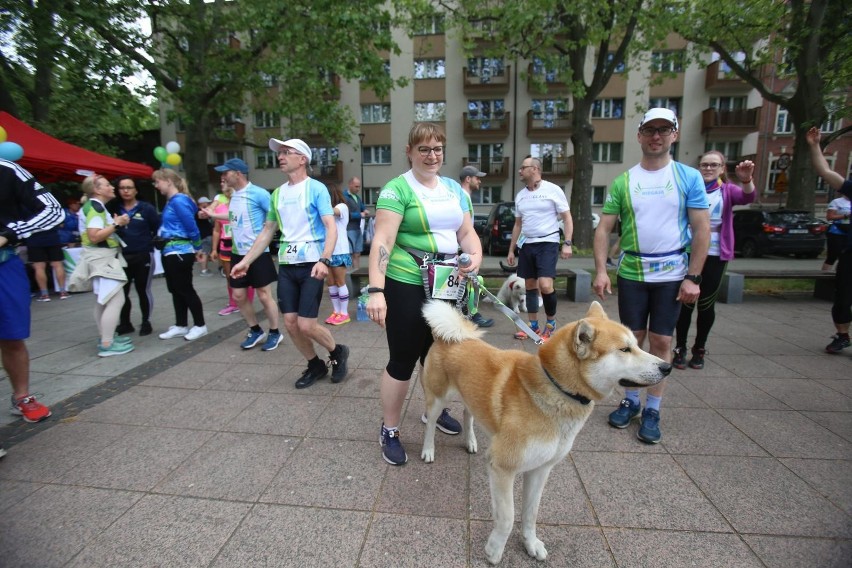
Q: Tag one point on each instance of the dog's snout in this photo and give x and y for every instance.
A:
(665, 368)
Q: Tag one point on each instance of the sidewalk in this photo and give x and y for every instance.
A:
(200, 454)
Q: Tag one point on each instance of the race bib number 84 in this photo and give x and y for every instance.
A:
(446, 282)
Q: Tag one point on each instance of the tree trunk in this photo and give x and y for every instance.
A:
(195, 154)
(801, 176)
(581, 196)
(43, 20)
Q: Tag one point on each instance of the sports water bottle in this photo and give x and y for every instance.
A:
(362, 306)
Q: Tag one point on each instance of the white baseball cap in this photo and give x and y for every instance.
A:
(659, 113)
(298, 145)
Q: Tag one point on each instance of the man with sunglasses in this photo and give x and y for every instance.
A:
(659, 201)
(538, 208)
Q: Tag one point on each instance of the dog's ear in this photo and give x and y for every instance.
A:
(596, 311)
(584, 335)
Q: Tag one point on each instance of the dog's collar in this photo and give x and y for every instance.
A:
(578, 397)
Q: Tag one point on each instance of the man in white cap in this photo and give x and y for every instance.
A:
(658, 200)
(301, 210)
(247, 212)
(470, 179)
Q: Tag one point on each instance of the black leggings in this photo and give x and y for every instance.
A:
(409, 336)
(139, 271)
(178, 269)
(834, 245)
(711, 282)
(841, 310)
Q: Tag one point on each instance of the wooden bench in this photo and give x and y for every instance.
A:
(578, 282)
(731, 291)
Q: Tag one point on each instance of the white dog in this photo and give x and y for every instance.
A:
(513, 294)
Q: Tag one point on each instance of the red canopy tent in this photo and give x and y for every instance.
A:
(49, 159)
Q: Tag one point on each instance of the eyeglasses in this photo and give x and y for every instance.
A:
(709, 165)
(522, 168)
(426, 150)
(288, 152)
(649, 131)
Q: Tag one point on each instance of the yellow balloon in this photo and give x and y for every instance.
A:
(173, 159)
(2, 134)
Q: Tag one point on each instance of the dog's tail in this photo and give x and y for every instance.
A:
(448, 324)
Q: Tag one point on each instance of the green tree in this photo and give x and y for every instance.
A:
(211, 59)
(61, 79)
(566, 37)
(797, 54)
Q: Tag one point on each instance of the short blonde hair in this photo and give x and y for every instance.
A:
(88, 184)
(172, 176)
(422, 131)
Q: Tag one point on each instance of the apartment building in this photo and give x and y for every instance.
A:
(494, 116)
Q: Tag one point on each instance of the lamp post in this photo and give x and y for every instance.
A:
(361, 136)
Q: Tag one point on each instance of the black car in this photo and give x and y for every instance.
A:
(778, 232)
(479, 224)
(497, 233)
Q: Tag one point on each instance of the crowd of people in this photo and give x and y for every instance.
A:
(675, 238)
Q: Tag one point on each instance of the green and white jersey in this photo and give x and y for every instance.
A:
(430, 220)
(654, 220)
(298, 211)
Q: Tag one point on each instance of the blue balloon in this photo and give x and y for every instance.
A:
(11, 151)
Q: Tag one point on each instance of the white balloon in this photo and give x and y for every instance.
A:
(173, 147)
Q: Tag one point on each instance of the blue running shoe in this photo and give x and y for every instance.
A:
(272, 341)
(252, 339)
(649, 429)
(446, 423)
(625, 412)
(392, 449)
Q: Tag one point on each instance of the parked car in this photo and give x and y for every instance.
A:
(497, 233)
(479, 224)
(778, 232)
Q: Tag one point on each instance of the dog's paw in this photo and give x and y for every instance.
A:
(472, 446)
(493, 553)
(428, 455)
(536, 549)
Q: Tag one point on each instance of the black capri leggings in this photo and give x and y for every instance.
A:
(409, 336)
(178, 269)
(139, 269)
(711, 282)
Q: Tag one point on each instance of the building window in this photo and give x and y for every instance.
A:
(618, 68)
(370, 195)
(485, 195)
(269, 80)
(228, 122)
(731, 150)
(267, 120)
(553, 156)
(430, 25)
(550, 74)
(265, 159)
(729, 103)
(671, 103)
(606, 151)
(832, 123)
(222, 157)
(598, 194)
(375, 114)
(549, 109)
(485, 68)
(434, 112)
(376, 155)
(667, 61)
(485, 110)
(488, 156)
(325, 161)
(608, 108)
(429, 69)
(783, 122)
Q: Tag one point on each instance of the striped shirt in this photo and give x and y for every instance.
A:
(25, 206)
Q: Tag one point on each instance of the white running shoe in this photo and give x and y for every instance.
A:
(174, 331)
(196, 332)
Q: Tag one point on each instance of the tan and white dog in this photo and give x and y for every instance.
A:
(532, 405)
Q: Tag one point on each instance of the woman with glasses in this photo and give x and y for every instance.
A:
(418, 213)
(722, 196)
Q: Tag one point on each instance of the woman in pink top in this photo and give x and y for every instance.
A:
(222, 245)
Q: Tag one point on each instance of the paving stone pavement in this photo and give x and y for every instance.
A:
(201, 454)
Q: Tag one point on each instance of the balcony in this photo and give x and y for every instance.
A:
(716, 78)
(487, 82)
(552, 84)
(549, 128)
(557, 170)
(487, 128)
(329, 173)
(730, 122)
(496, 168)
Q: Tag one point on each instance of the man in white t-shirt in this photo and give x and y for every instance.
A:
(658, 201)
(539, 206)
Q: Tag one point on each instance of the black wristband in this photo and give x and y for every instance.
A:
(375, 290)
(325, 261)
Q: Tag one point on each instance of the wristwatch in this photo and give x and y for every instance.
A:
(325, 261)
(567, 243)
(696, 278)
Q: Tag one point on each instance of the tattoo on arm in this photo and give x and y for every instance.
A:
(384, 258)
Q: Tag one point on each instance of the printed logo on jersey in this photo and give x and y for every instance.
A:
(654, 190)
(388, 193)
